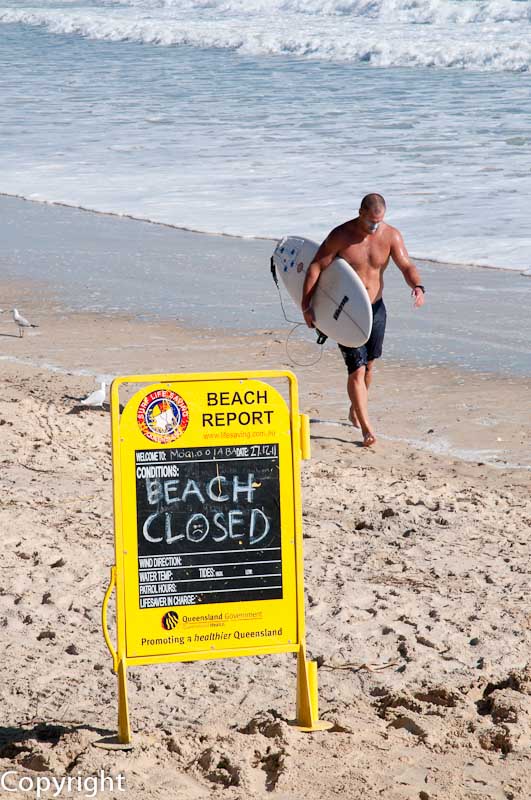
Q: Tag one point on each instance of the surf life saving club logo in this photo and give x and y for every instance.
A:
(162, 416)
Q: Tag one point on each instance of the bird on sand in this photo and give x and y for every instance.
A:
(96, 398)
(22, 323)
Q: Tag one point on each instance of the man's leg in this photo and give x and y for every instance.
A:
(359, 400)
(369, 374)
(368, 380)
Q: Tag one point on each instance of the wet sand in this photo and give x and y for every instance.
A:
(478, 417)
(474, 318)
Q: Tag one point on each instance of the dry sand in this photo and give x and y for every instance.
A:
(417, 586)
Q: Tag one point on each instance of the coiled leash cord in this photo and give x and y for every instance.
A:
(321, 337)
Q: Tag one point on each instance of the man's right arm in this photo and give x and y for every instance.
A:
(323, 258)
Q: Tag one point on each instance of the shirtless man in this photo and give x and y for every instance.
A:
(366, 243)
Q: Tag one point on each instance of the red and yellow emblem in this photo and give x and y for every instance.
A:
(162, 416)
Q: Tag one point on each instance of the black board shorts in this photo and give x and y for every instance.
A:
(356, 357)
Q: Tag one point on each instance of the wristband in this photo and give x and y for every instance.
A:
(420, 286)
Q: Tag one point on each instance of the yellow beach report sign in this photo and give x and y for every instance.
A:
(203, 518)
(208, 532)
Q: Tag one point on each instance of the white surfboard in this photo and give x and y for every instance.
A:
(340, 302)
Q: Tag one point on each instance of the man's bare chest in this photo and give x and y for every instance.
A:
(367, 255)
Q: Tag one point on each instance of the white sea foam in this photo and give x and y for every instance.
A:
(471, 35)
(410, 11)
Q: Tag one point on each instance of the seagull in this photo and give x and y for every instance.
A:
(22, 323)
(96, 398)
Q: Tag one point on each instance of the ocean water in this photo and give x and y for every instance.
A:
(266, 117)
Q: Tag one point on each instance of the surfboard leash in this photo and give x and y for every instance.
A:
(321, 337)
(291, 358)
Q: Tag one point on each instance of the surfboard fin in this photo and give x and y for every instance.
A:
(321, 337)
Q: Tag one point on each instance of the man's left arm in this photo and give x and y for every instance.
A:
(400, 256)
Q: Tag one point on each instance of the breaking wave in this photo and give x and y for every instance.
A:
(484, 35)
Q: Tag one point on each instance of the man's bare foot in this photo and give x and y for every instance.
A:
(353, 418)
(369, 439)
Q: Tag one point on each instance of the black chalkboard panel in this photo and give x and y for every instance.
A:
(208, 525)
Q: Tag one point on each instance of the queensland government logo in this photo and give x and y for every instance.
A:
(162, 416)
(170, 620)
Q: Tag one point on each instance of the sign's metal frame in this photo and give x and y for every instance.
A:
(307, 717)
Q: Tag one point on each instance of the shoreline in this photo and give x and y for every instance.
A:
(245, 238)
(115, 297)
(95, 263)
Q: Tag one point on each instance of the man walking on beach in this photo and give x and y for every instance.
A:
(366, 243)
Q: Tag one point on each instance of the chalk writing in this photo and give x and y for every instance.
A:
(208, 522)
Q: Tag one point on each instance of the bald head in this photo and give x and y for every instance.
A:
(373, 202)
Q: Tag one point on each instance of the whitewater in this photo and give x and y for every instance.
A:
(257, 118)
